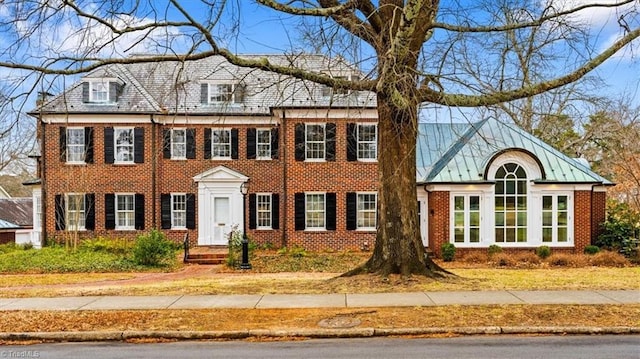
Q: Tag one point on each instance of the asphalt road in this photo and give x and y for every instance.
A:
(550, 347)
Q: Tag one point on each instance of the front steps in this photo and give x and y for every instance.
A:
(207, 255)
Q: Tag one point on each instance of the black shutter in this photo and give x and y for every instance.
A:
(109, 211)
(108, 145)
(207, 143)
(90, 216)
(251, 143)
(88, 144)
(85, 92)
(234, 143)
(166, 143)
(60, 212)
(139, 206)
(191, 211)
(299, 211)
(113, 91)
(191, 143)
(253, 213)
(352, 212)
(330, 199)
(352, 142)
(275, 211)
(138, 145)
(330, 135)
(275, 142)
(63, 144)
(204, 94)
(299, 142)
(165, 211)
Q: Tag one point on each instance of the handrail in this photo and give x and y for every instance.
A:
(185, 245)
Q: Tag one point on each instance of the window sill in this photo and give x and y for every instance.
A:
(221, 158)
(178, 158)
(366, 230)
(124, 163)
(264, 229)
(180, 229)
(264, 159)
(315, 160)
(316, 230)
(365, 160)
(124, 229)
(75, 163)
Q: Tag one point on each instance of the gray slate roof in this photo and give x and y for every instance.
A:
(460, 152)
(174, 87)
(17, 211)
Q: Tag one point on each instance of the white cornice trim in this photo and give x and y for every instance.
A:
(328, 113)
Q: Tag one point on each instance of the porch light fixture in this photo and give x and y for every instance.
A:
(244, 189)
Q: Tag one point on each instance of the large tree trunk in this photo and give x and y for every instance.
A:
(398, 248)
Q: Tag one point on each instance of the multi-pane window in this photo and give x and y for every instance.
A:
(315, 137)
(263, 144)
(75, 212)
(124, 145)
(263, 203)
(315, 211)
(178, 143)
(511, 204)
(367, 142)
(555, 218)
(179, 210)
(366, 216)
(125, 211)
(98, 91)
(466, 219)
(221, 143)
(75, 144)
(220, 93)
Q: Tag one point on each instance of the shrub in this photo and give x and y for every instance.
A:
(107, 245)
(6, 248)
(475, 258)
(153, 249)
(503, 260)
(494, 249)
(235, 247)
(620, 229)
(608, 259)
(543, 252)
(568, 260)
(526, 259)
(448, 252)
(591, 250)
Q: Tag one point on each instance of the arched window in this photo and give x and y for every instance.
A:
(511, 204)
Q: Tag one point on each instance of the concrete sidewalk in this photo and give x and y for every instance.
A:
(413, 299)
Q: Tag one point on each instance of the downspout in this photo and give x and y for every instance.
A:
(154, 159)
(284, 179)
(43, 187)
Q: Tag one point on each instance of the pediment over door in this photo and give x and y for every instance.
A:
(220, 174)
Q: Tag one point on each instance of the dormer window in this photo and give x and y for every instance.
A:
(101, 91)
(222, 93)
(328, 91)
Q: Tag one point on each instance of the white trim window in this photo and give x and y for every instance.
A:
(465, 218)
(98, 91)
(557, 219)
(263, 210)
(178, 210)
(75, 145)
(178, 143)
(315, 136)
(367, 211)
(315, 211)
(219, 93)
(511, 204)
(263, 144)
(125, 211)
(367, 138)
(124, 145)
(220, 143)
(75, 211)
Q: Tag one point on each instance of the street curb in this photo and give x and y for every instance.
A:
(108, 336)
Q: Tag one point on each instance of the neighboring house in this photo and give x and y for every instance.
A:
(16, 221)
(169, 145)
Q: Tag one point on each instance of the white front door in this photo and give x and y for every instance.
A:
(221, 220)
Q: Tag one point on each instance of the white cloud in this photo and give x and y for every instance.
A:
(594, 16)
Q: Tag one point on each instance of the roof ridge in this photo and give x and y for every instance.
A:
(455, 148)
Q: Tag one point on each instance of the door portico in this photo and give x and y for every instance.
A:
(219, 204)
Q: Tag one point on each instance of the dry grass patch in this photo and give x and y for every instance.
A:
(18, 280)
(240, 319)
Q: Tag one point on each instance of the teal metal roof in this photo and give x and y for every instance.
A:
(460, 152)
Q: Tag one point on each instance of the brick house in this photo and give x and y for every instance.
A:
(169, 145)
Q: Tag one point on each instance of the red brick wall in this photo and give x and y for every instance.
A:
(582, 220)
(438, 213)
(599, 213)
(339, 176)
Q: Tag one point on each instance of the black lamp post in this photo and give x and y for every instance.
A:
(244, 189)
